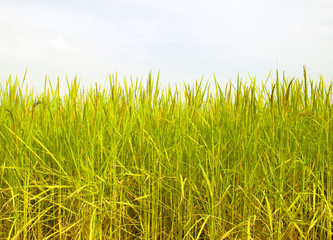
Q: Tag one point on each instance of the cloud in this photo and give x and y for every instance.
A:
(184, 39)
(58, 43)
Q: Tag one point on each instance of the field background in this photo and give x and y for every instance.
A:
(135, 161)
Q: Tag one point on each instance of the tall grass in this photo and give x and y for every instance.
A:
(140, 162)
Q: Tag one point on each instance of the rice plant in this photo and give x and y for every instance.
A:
(135, 161)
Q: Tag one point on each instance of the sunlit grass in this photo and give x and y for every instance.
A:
(140, 162)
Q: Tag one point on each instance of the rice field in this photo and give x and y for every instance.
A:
(137, 161)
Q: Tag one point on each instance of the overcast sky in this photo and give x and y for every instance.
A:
(184, 39)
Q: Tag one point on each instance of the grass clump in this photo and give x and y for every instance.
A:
(141, 162)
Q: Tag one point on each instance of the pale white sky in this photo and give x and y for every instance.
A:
(184, 39)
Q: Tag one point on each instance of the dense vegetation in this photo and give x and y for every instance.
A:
(141, 162)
